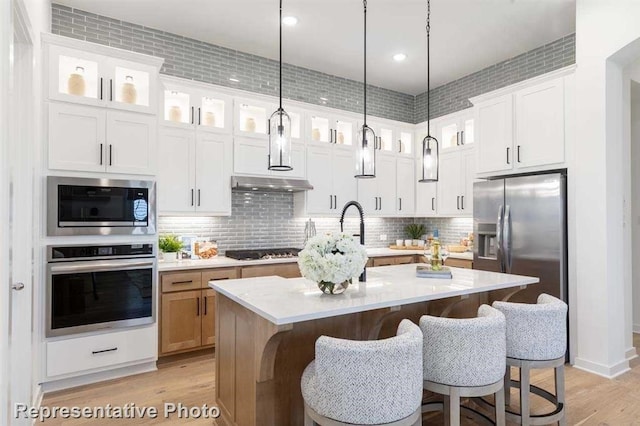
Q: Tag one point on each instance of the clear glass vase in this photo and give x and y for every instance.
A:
(333, 288)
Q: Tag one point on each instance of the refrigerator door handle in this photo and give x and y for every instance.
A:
(499, 224)
(507, 239)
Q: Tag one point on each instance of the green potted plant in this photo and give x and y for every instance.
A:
(415, 231)
(170, 245)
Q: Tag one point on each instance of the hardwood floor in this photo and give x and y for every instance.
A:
(189, 379)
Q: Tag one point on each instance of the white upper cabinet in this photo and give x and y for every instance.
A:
(523, 127)
(251, 118)
(455, 186)
(89, 74)
(494, 127)
(540, 124)
(455, 130)
(378, 195)
(131, 143)
(334, 129)
(405, 187)
(405, 144)
(213, 174)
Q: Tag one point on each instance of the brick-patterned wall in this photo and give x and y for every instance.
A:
(454, 96)
(197, 60)
(263, 220)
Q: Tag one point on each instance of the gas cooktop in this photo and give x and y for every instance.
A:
(277, 253)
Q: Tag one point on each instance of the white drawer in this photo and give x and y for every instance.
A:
(99, 351)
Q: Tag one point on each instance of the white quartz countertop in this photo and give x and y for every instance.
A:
(224, 262)
(286, 301)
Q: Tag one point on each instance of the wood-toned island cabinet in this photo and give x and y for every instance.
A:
(187, 309)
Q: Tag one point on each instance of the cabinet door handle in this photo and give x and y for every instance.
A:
(462, 137)
(198, 197)
(380, 203)
(458, 138)
(192, 114)
(101, 153)
(111, 89)
(110, 154)
(335, 134)
(458, 202)
(200, 119)
(104, 350)
(182, 282)
(101, 88)
(192, 197)
(518, 154)
(508, 162)
(462, 202)
(433, 203)
(205, 305)
(197, 306)
(330, 202)
(335, 201)
(330, 135)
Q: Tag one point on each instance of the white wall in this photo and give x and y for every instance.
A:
(635, 193)
(603, 29)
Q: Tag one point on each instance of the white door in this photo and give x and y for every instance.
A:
(449, 191)
(468, 165)
(17, 195)
(213, 173)
(250, 156)
(131, 143)
(405, 186)
(540, 125)
(345, 185)
(176, 171)
(386, 177)
(77, 137)
(321, 199)
(494, 134)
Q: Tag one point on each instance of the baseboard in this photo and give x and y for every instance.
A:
(631, 353)
(636, 328)
(606, 371)
(101, 376)
(38, 394)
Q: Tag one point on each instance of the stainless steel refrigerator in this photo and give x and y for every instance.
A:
(519, 226)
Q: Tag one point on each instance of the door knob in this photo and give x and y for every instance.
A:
(17, 286)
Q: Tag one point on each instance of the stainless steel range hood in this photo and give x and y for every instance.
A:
(254, 183)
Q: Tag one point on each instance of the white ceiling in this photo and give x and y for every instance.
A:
(466, 35)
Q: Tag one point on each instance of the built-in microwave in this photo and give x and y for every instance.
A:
(81, 206)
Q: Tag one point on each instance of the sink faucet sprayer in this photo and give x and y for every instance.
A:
(363, 276)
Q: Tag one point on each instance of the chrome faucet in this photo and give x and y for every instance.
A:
(363, 276)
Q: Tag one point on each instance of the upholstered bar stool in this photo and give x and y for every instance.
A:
(373, 382)
(465, 358)
(536, 338)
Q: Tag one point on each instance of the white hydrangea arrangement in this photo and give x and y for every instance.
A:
(332, 258)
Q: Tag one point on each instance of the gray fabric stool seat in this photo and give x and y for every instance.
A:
(375, 382)
(536, 338)
(465, 358)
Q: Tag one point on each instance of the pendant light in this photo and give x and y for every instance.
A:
(366, 149)
(280, 128)
(430, 145)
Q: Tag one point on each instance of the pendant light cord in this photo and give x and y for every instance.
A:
(281, 59)
(365, 62)
(428, 69)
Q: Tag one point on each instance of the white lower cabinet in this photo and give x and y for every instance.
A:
(455, 184)
(93, 139)
(405, 186)
(84, 354)
(251, 157)
(194, 173)
(330, 170)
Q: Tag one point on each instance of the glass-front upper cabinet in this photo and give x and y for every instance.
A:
(320, 128)
(101, 76)
(455, 130)
(327, 128)
(251, 118)
(178, 109)
(405, 142)
(385, 138)
(344, 131)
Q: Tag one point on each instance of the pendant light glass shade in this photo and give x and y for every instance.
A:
(366, 153)
(280, 141)
(280, 129)
(430, 159)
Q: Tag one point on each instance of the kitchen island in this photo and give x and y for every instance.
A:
(266, 328)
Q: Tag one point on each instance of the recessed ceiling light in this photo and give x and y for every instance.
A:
(399, 57)
(290, 21)
(235, 80)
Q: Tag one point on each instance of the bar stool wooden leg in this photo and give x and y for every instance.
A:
(454, 419)
(500, 408)
(525, 377)
(308, 421)
(447, 409)
(559, 374)
(507, 386)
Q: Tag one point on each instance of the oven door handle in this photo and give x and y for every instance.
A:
(100, 266)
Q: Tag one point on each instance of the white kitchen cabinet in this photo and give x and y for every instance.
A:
(378, 195)
(85, 73)
(426, 199)
(331, 172)
(494, 132)
(324, 128)
(90, 139)
(455, 184)
(540, 125)
(251, 118)
(405, 186)
(251, 158)
(195, 172)
(455, 130)
(405, 146)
